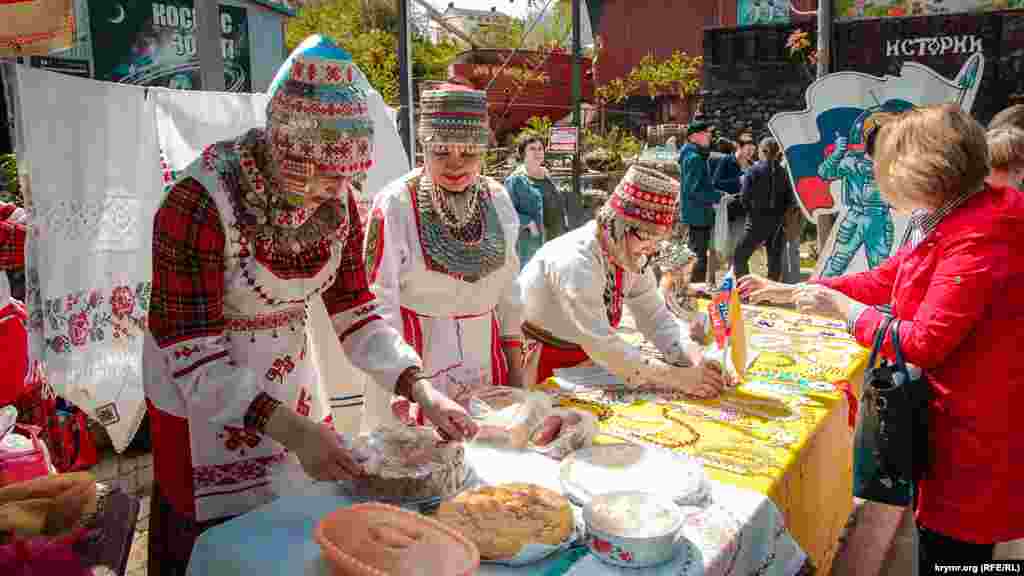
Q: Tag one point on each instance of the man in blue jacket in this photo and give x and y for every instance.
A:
(697, 195)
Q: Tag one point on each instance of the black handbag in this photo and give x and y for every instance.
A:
(891, 440)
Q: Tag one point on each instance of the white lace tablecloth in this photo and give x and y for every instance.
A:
(741, 533)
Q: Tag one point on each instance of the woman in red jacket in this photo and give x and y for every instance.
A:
(959, 298)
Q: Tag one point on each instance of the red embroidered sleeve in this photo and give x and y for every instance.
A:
(12, 240)
(351, 288)
(188, 267)
(260, 411)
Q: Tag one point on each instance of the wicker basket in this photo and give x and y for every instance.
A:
(354, 527)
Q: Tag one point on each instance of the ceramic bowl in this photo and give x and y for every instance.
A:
(649, 541)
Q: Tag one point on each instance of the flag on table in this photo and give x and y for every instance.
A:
(726, 316)
(737, 335)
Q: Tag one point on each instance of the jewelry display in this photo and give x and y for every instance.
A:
(775, 437)
(754, 408)
(771, 343)
(717, 415)
(659, 438)
(746, 460)
(659, 424)
(596, 408)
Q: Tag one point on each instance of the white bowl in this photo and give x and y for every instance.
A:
(648, 539)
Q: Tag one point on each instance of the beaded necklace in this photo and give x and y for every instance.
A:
(778, 437)
(746, 460)
(267, 218)
(465, 243)
(458, 210)
(751, 407)
(660, 435)
(594, 407)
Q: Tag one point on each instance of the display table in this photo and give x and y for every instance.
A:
(741, 532)
(784, 433)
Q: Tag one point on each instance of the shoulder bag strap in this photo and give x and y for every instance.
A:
(901, 365)
(879, 338)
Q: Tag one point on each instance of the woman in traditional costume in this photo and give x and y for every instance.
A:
(575, 288)
(253, 231)
(441, 256)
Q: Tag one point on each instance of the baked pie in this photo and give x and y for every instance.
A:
(502, 519)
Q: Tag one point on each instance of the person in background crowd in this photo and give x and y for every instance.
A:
(792, 231)
(767, 195)
(254, 230)
(1006, 150)
(576, 287)
(725, 177)
(698, 196)
(526, 185)
(1012, 116)
(958, 300)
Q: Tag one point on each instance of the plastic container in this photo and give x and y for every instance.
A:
(23, 456)
(382, 540)
(506, 416)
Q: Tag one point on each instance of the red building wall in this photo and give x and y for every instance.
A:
(631, 29)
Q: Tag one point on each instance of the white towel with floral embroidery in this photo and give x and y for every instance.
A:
(189, 121)
(94, 178)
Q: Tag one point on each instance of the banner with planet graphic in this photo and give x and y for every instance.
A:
(155, 43)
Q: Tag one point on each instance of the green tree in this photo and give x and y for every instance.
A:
(9, 174)
(504, 33)
(368, 29)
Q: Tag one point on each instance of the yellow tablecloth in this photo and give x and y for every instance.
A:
(790, 398)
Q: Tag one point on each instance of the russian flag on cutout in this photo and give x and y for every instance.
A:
(804, 159)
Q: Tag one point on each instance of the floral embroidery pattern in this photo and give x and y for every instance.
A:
(374, 244)
(281, 368)
(85, 317)
(605, 548)
(238, 438)
(288, 318)
(205, 477)
(170, 176)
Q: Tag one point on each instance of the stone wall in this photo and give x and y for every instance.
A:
(749, 76)
(746, 98)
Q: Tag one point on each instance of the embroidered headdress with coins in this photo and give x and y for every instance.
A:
(454, 116)
(644, 204)
(318, 126)
(318, 117)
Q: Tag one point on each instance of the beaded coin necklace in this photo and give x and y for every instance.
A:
(264, 212)
(465, 242)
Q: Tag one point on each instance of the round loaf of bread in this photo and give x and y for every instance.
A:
(502, 519)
